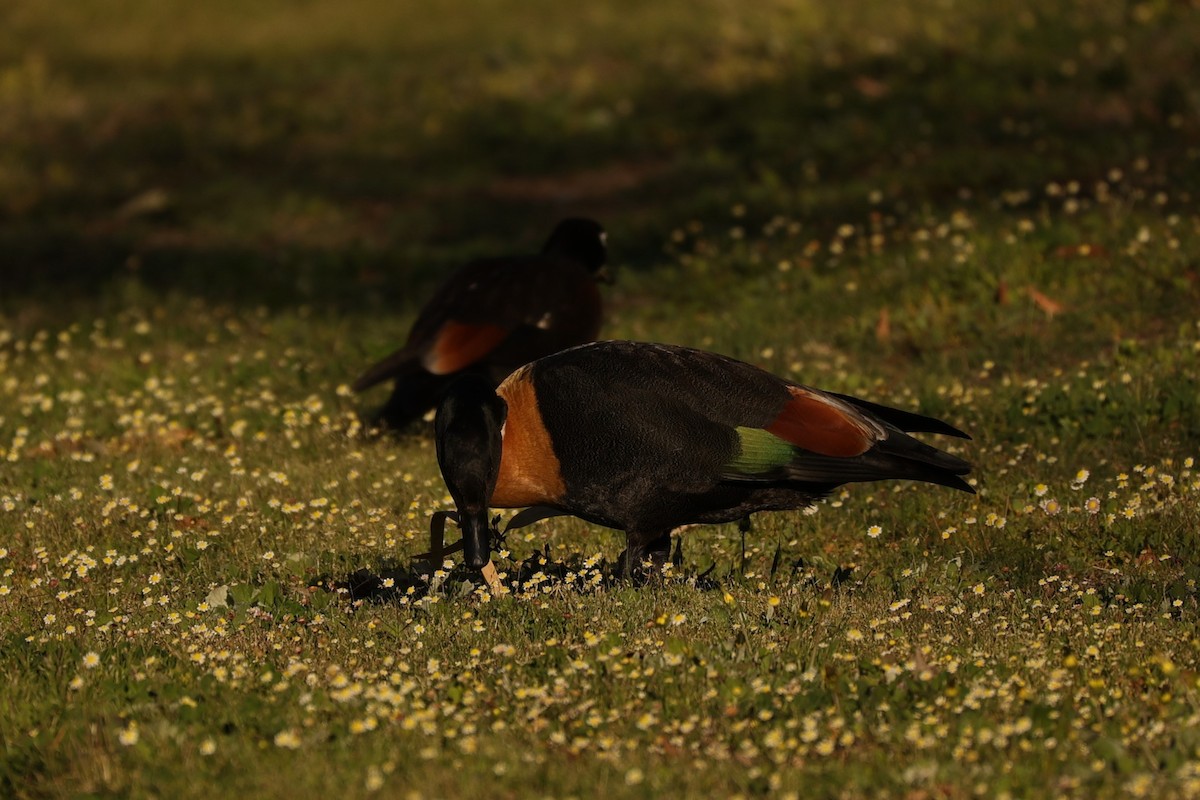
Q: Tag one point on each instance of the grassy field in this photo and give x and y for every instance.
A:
(212, 215)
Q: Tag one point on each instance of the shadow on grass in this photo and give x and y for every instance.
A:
(397, 582)
(406, 582)
(244, 193)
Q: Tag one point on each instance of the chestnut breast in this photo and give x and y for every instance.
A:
(530, 473)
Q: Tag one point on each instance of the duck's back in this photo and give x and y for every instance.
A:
(638, 427)
(645, 434)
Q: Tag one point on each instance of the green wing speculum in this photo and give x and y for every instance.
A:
(761, 456)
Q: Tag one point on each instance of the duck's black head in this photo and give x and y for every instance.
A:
(468, 426)
(579, 239)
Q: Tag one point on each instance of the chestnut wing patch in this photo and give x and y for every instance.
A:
(459, 345)
(821, 425)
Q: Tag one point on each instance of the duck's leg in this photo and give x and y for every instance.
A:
(625, 563)
(659, 552)
(744, 526)
(639, 547)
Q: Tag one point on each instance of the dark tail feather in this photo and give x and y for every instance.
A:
(914, 459)
(921, 470)
(904, 420)
(953, 481)
(824, 470)
(395, 365)
(898, 456)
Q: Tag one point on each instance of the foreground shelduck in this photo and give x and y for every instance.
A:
(646, 438)
(494, 315)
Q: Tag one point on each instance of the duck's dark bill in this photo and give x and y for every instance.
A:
(476, 538)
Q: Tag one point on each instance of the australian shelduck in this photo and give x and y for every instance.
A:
(492, 316)
(646, 438)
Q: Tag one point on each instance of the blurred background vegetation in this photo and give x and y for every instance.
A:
(346, 154)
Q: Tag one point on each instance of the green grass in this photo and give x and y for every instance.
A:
(213, 215)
